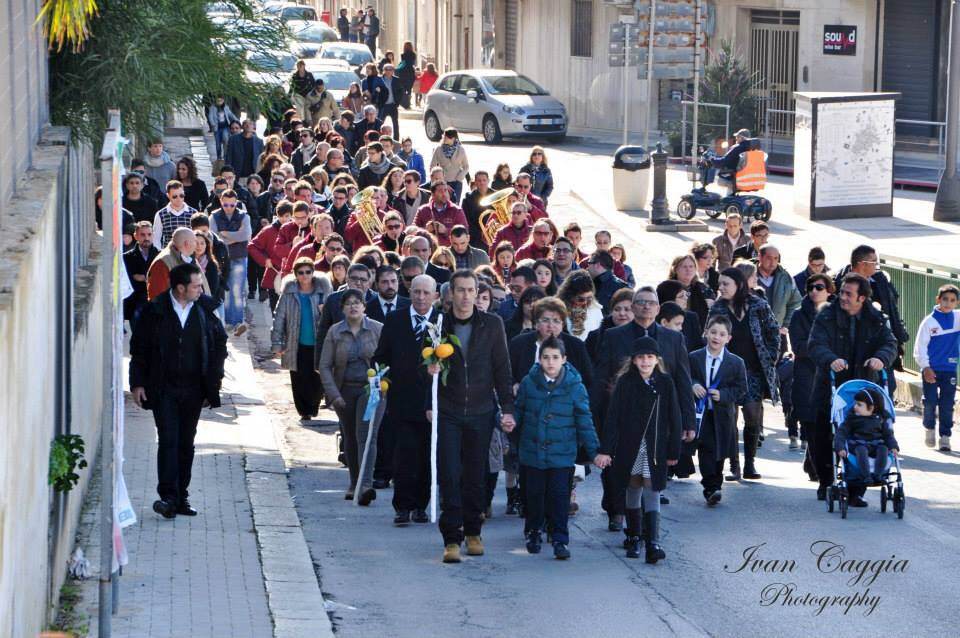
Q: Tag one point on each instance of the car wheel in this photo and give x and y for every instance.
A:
(431, 126)
(491, 130)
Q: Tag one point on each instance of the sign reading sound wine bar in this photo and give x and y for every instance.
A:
(839, 39)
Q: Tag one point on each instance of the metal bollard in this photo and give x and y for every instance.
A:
(659, 208)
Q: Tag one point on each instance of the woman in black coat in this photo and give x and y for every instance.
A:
(642, 434)
(621, 312)
(672, 291)
(819, 290)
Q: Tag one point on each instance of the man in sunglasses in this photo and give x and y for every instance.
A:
(412, 197)
(176, 214)
(340, 209)
(268, 199)
(523, 184)
(305, 152)
(538, 244)
(393, 235)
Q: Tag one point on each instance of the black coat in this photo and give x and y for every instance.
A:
(731, 380)
(884, 293)
(699, 294)
(615, 351)
(476, 384)
(143, 209)
(595, 338)
(830, 340)
(524, 346)
(196, 194)
(400, 349)
(155, 339)
(375, 311)
(803, 366)
(605, 285)
(692, 330)
(635, 414)
(135, 264)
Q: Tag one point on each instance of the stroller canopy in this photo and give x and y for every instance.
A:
(842, 401)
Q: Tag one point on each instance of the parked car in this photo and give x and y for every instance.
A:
(312, 32)
(287, 11)
(496, 103)
(353, 53)
(274, 67)
(337, 76)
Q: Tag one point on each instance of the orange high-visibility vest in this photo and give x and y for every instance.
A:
(753, 175)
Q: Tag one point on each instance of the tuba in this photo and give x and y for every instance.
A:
(365, 210)
(499, 216)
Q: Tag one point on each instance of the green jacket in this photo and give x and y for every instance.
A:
(783, 296)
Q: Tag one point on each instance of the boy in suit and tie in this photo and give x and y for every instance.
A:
(719, 384)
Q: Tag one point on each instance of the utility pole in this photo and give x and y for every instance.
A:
(627, 21)
(653, 17)
(696, 87)
(947, 205)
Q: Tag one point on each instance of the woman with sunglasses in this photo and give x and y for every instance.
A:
(819, 291)
(346, 356)
(540, 172)
(294, 335)
(756, 340)
(584, 313)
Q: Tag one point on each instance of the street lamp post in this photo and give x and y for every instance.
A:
(947, 206)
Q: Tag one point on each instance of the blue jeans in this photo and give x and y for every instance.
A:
(548, 491)
(456, 189)
(220, 138)
(940, 396)
(236, 292)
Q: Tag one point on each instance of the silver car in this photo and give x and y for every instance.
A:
(495, 103)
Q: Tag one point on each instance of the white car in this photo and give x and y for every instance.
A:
(353, 53)
(308, 35)
(287, 11)
(336, 74)
(496, 103)
(275, 67)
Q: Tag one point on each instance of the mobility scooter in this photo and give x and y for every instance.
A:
(750, 176)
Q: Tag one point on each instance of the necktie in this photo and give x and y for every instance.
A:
(389, 308)
(713, 371)
(418, 330)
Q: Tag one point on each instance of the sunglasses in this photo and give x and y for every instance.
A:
(222, 205)
(817, 287)
(304, 273)
(394, 227)
(409, 181)
(180, 196)
(537, 154)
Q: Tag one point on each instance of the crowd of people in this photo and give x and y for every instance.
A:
(560, 359)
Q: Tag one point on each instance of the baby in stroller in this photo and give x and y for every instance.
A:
(868, 432)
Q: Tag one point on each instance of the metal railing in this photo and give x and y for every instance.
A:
(917, 282)
(941, 137)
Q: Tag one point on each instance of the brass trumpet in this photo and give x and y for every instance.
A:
(366, 211)
(499, 216)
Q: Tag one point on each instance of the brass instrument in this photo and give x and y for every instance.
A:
(365, 210)
(499, 216)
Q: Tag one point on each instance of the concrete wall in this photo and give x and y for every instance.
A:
(23, 89)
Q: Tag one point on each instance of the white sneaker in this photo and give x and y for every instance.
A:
(945, 444)
(930, 437)
(793, 443)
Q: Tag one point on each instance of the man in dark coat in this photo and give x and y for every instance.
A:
(137, 262)
(177, 353)
(613, 353)
(849, 340)
(600, 267)
(401, 342)
(343, 26)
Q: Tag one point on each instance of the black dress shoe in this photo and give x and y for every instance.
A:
(165, 509)
(615, 522)
(184, 509)
(366, 497)
(664, 500)
(420, 516)
(822, 493)
(402, 519)
(380, 484)
(713, 498)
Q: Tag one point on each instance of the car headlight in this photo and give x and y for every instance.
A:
(516, 110)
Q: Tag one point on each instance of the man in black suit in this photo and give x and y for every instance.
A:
(615, 350)
(177, 353)
(385, 303)
(719, 383)
(401, 341)
(137, 261)
(391, 99)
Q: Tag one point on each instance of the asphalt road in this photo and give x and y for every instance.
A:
(383, 581)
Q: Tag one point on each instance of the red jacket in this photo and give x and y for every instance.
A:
(261, 248)
(530, 251)
(516, 236)
(538, 209)
(288, 235)
(294, 254)
(354, 234)
(450, 216)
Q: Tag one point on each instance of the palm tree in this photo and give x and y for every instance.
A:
(67, 22)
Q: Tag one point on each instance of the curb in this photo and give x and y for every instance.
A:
(293, 593)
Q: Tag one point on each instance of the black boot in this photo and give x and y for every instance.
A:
(749, 453)
(634, 532)
(734, 474)
(651, 521)
(533, 542)
(513, 501)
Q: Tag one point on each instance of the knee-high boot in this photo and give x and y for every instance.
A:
(750, 440)
(634, 532)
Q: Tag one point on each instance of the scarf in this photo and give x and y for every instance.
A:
(154, 162)
(449, 149)
(380, 168)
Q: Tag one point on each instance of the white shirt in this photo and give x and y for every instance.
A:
(712, 370)
(413, 318)
(182, 311)
(384, 302)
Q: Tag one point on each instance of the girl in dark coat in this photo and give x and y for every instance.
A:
(642, 434)
(819, 289)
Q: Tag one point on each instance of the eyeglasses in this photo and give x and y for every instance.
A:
(867, 261)
(357, 280)
(277, 180)
(180, 196)
(542, 232)
(817, 287)
(304, 273)
(646, 302)
(338, 197)
(303, 135)
(537, 154)
(550, 320)
(684, 294)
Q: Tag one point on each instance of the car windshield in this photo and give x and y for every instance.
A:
(316, 33)
(336, 80)
(221, 9)
(298, 13)
(512, 85)
(354, 57)
(266, 61)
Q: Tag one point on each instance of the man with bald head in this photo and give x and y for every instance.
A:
(401, 341)
(180, 250)
(781, 289)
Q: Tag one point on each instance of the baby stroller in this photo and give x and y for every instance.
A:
(891, 483)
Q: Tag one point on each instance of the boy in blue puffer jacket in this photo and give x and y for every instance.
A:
(553, 414)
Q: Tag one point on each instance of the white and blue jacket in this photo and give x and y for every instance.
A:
(938, 341)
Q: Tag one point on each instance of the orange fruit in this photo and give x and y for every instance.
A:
(384, 385)
(444, 350)
(427, 352)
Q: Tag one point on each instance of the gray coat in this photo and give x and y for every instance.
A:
(336, 351)
(783, 296)
(285, 336)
